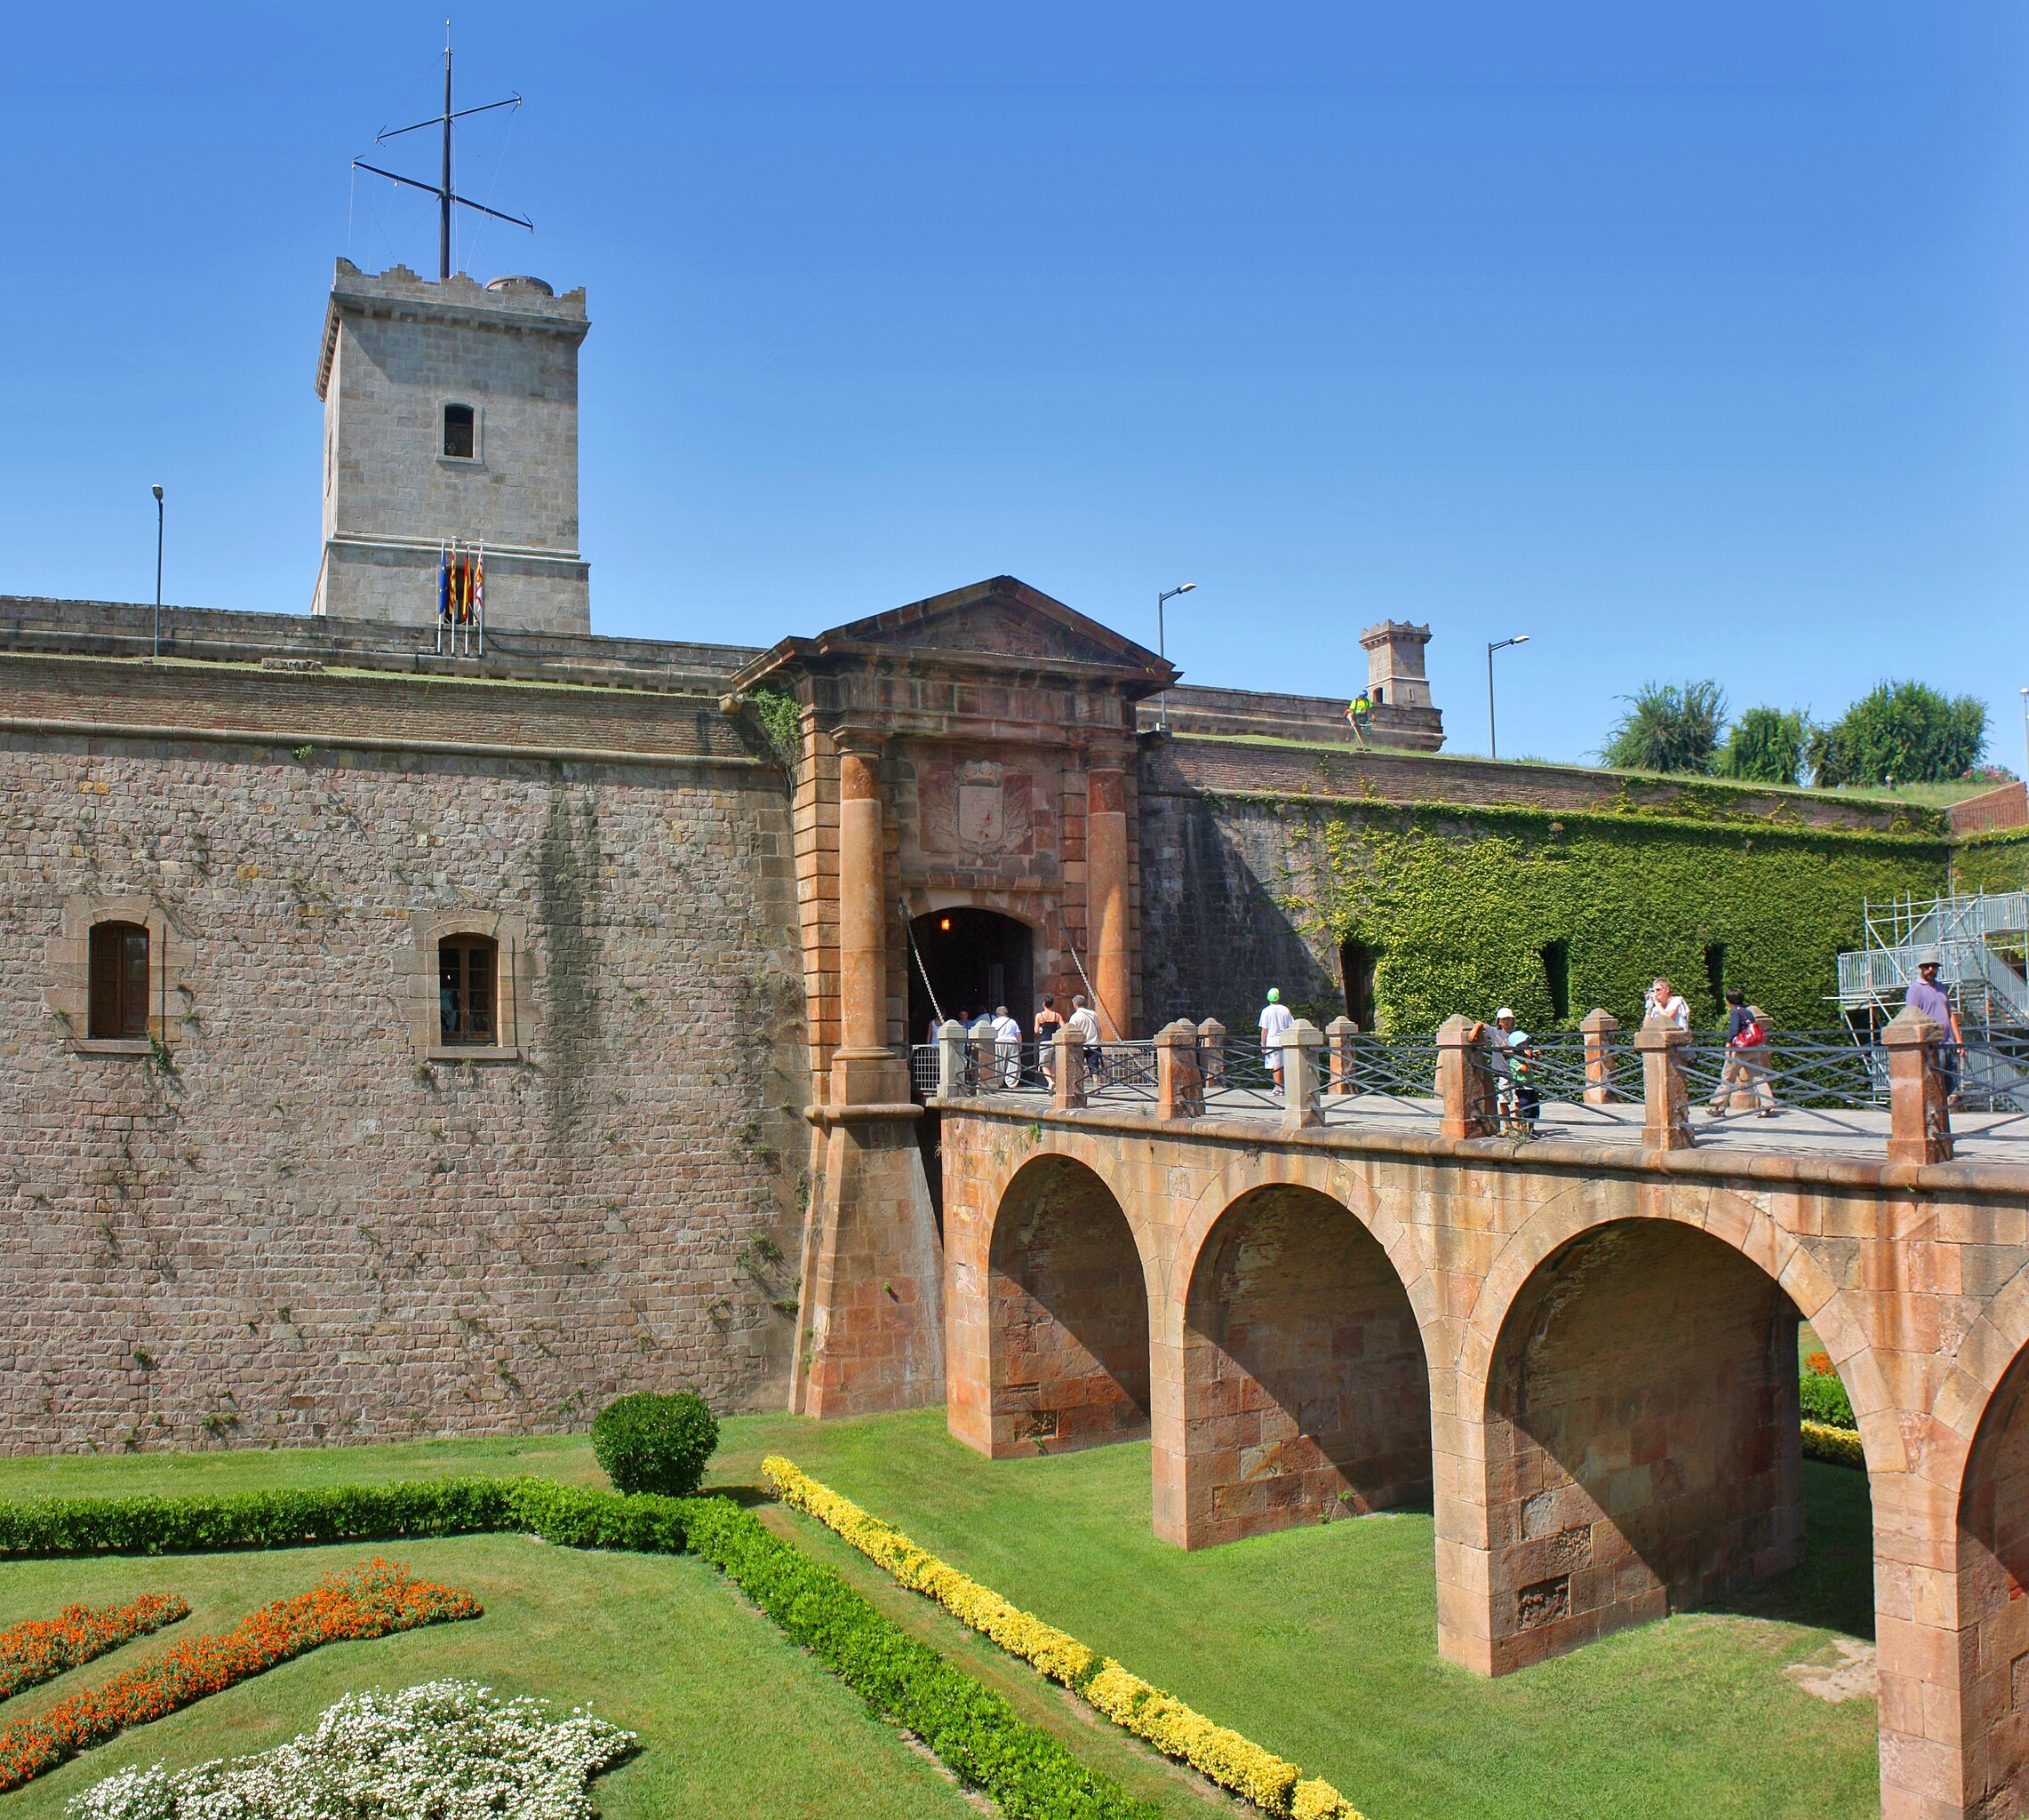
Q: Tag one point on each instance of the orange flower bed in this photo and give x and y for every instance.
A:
(1821, 1363)
(39, 1649)
(373, 1600)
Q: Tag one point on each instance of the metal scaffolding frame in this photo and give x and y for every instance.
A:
(1982, 944)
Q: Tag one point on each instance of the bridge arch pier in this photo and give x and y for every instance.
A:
(1636, 1449)
(1048, 1327)
(1304, 1392)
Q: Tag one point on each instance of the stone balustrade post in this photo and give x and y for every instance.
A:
(1300, 1045)
(1067, 1090)
(1465, 1082)
(1665, 1123)
(1179, 1081)
(1599, 1027)
(1919, 1100)
(951, 1059)
(1339, 1033)
(1212, 1054)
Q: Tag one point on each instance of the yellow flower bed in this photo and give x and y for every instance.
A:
(1233, 1762)
(1840, 1446)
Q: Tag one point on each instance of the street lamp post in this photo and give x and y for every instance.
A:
(1493, 746)
(159, 571)
(1162, 700)
(2025, 732)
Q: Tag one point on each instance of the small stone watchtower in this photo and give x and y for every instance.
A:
(1403, 714)
(451, 415)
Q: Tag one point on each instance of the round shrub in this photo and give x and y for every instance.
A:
(648, 1442)
(1823, 1398)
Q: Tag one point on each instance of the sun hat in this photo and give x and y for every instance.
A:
(1505, 1012)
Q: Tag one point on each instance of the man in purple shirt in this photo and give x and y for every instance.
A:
(1928, 997)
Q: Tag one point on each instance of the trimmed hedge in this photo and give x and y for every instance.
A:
(647, 1442)
(1822, 1398)
(207, 1524)
(976, 1734)
(1836, 1447)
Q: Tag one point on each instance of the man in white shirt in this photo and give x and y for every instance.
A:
(1083, 1023)
(1665, 1003)
(1007, 1047)
(1275, 1019)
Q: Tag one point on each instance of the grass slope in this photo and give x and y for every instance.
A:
(735, 1721)
(1319, 1643)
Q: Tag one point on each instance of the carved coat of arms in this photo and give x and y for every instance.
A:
(982, 805)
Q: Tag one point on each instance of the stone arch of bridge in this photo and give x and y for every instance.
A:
(1986, 1566)
(1250, 1172)
(1637, 1448)
(1305, 1384)
(1738, 1224)
(1067, 1313)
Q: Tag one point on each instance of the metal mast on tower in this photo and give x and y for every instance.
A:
(441, 190)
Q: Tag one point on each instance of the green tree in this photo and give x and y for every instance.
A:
(1908, 732)
(1668, 729)
(1767, 746)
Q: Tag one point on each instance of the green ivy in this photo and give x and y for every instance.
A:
(1998, 862)
(1461, 903)
(781, 719)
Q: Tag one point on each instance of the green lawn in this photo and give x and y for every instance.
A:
(1319, 1643)
(735, 1721)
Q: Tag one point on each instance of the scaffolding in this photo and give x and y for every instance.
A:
(1981, 942)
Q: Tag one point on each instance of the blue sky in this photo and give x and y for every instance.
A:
(1691, 343)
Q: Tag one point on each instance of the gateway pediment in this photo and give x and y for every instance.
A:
(997, 622)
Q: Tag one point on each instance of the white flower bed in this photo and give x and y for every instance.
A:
(445, 1751)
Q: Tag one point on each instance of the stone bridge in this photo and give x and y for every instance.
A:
(1581, 1350)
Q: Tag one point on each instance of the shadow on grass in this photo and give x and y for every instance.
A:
(1835, 1588)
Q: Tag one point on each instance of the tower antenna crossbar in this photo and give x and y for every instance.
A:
(445, 195)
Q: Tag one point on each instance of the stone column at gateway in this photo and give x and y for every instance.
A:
(1105, 892)
(872, 1284)
(857, 1075)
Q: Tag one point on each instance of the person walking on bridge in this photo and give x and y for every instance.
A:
(1007, 1047)
(1048, 1023)
(1083, 1023)
(1928, 997)
(1275, 1019)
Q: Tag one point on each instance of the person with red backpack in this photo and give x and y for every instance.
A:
(1746, 1057)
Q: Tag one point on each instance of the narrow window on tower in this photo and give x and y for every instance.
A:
(458, 436)
(1557, 977)
(118, 1005)
(466, 972)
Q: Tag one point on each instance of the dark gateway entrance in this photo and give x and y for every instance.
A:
(975, 960)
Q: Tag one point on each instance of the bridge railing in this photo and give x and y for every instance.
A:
(1821, 1081)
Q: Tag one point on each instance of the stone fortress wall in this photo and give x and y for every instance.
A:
(298, 1223)
(294, 1218)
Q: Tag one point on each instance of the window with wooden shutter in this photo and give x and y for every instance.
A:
(119, 981)
(467, 969)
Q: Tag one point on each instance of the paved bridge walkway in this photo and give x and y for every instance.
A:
(1582, 1349)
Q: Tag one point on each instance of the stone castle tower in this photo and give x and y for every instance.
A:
(450, 414)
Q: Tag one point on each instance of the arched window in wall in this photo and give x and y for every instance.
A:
(467, 972)
(119, 980)
(461, 432)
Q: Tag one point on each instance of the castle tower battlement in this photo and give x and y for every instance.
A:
(451, 414)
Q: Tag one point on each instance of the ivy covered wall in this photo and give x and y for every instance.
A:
(1465, 909)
